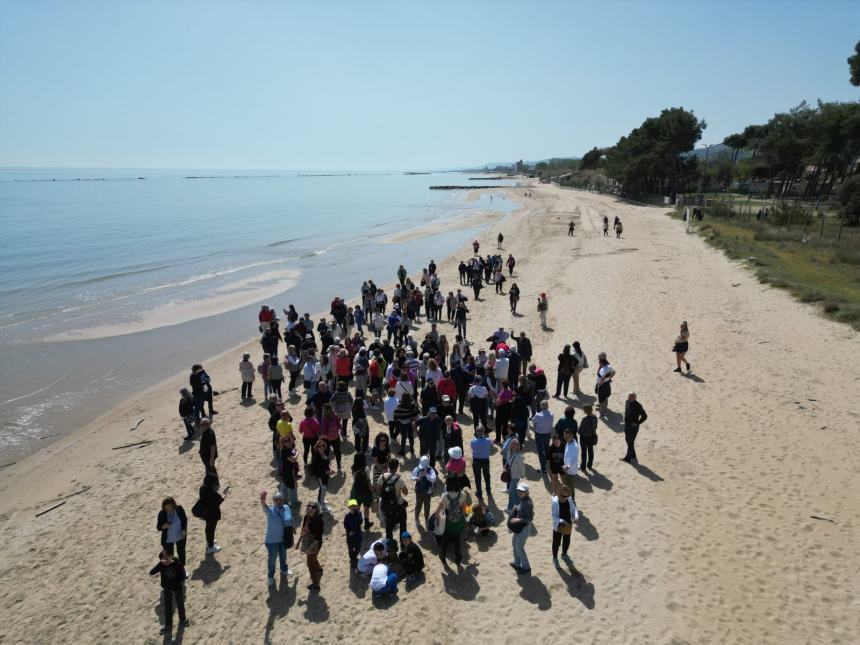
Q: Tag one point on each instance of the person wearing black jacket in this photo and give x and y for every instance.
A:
(211, 501)
(201, 388)
(477, 285)
(173, 524)
(566, 364)
(634, 416)
(524, 347)
(188, 412)
(270, 344)
(208, 445)
(172, 577)
(410, 556)
(462, 380)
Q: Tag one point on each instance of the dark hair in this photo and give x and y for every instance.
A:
(452, 484)
(569, 412)
(309, 412)
(393, 465)
(168, 500)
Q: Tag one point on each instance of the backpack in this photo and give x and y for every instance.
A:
(423, 486)
(388, 498)
(455, 521)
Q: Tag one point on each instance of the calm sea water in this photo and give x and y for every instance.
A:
(111, 280)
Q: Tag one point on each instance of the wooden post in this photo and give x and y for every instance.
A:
(839, 234)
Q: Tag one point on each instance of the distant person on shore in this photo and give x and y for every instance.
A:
(514, 296)
(310, 543)
(519, 524)
(564, 514)
(511, 263)
(500, 240)
(279, 534)
(247, 371)
(172, 583)
(208, 445)
(605, 226)
(188, 412)
(603, 387)
(201, 388)
(543, 308)
(634, 416)
(210, 501)
(618, 228)
(570, 228)
(682, 344)
(269, 343)
(476, 246)
(263, 370)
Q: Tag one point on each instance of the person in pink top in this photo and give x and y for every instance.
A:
(456, 466)
(309, 428)
(330, 431)
(503, 408)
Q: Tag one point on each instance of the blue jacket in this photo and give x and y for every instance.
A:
(276, 522)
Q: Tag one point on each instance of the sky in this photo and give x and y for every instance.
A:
(279, 84)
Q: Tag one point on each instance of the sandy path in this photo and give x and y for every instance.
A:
(710, 539)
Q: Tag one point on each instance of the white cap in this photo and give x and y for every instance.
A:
(523, 488)
(455, 452)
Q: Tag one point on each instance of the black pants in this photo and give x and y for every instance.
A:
(169, 596)
(422, 503)
(360, 441)
(630, 433)
(398, 517)
(210, 531)
(407, 433)
(461, 401)
(451, 538)
(344, 424)
(562, 381)
(246, 389)
(180, 550)
(587, 451)
(210, 470)
(481, 466)
(275, 384)
(294, 377)
(503, 415)
(560, 540)
(479, 411)
(335, 446)
(307, 444)
(354, 550)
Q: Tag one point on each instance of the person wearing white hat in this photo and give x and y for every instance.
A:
(519, 525)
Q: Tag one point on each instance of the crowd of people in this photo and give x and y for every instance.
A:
(369, 361)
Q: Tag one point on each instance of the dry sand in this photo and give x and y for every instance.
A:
(711, 539)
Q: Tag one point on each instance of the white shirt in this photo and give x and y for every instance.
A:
(402, 387)
(603, 372)
(478, 392)
(502, 367)
(368, 560)
(571, 457)
(379, 578)
(435, 375)
(390, 403)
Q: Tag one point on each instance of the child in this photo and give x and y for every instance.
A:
(172, 577)
(482, 519)
(361, 491)
(352, 525)
(411, 556)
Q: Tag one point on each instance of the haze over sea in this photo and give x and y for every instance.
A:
(112, 280)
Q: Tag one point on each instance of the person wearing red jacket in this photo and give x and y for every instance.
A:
(447, 386)
(343, 367)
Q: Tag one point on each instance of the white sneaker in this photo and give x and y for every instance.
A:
(213, 549)
(289, 573)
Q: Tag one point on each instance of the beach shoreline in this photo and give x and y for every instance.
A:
(694, 531)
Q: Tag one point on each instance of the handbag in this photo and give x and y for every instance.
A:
(515, 527)
(506, 475)
(199, 509)
(564, 528)
(289, 540)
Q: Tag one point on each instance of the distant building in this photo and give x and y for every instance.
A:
(519, 166)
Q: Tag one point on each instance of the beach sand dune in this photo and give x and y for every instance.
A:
(739, 525)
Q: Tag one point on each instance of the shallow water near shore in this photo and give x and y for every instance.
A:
(112, 280)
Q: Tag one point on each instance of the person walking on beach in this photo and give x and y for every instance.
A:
(566, 366)
(564, 514)
(263, 369)
(634, 416)
(511, 262)
(354, 535)
(587, 437)
(424, 476)
(605, 226)
(188, 412)
(453, 502)
(515, 467)
(279, 534)
(542, 307)
(172, 584)
(481, 446)
(460, 318)
(581, 364)
(477, 285)
(618, 228)
(321, 469)
(247, 371)
(172, 522)
(682, 344)
(570, 228)
(514, 296)
(476, 246)
(208, 445)
(310, 543)
(543, 426)
(519, 524)
(293, 363)
(210, 503)
(500, 239)
(603, 387)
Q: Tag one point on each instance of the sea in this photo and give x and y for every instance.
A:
(113, 280)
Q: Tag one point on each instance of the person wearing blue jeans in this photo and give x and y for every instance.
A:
(517, 468)
(383, 581)
(481, 447)
(520, 521)
(279, 520)
(543, 424)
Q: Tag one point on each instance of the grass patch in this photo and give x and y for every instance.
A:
(812, 273)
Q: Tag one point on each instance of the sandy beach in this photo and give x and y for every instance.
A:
(737, 526)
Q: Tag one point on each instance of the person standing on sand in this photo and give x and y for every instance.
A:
(477, 285)
(605, 226)
(201, 388)
(247, 371)
(634, 416)
(587, 437)
(211, 501)
(208, 445)
(476, 245)
(519, 524)
(173, 524)
(460, 318)
(543, 422)
(511, 262)
(524, 349)
(682, 344)
(276, 377)
(581, 364)
(354, 535)
(310, 543)
(571, 459)
(500, 240)
(516, 468)
(172, 579)
(392, 503)
(514, 296)
(603, 387)
(279, 534)
(564, 514)
(309, 428)
(542, 307)
(188, 412)
(321, 469)
(566, 365)
(454, 502)
(618, 228)
(263, 369)
(570, 228)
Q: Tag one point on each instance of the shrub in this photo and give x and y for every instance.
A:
(831, 307)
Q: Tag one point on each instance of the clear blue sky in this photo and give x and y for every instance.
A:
(280, 84)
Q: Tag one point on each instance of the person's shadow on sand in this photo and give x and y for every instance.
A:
(185, 446)
(209, 570)
(279, 603)
(615, 421)
(647, 472)
(535, 591)
(599, 480)
(585, 528)
(577, 586)
(316, 608)
(693, 377)
(461, 582)
(159, 613)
